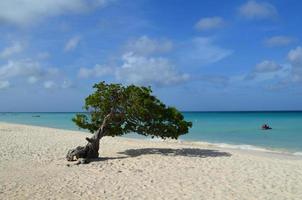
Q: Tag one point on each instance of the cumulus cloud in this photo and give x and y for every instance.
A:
(24, 12)
(147, 46)
(146, 71)
(72, 43)
(4, 84)
(263, 68)
(15, 48)
(267, 66)
(295, 59)
(278, 41)
(51, 84)
(32, 72)
(291, 74)
(138, 69)
(209, 23)
(273, 76)
(295, 56)
(257, 10)
(203, 51)
(19, 68)
(96, 71)
(27, 69)
(141, 63)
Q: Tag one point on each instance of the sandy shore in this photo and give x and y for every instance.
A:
(33, 166)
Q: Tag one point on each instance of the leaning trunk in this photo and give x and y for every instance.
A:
(91, 150)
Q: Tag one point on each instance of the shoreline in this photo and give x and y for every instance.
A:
(32, 163)
(255, 150)
(227, 146)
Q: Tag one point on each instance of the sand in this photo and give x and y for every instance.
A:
(33, 166)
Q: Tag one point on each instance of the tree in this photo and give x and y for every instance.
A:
(115, 110)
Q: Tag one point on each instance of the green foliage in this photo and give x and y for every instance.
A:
(133, 109)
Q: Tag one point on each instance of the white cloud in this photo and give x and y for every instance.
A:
(96, 71)
(72, 43)
(257, 10)
(11, 50)
(280, 77)
(285, 75)
(295, 56)
(209, 23)
(291, 74)
(141, 64)
(33, 72)
(295, 59)
(267, 66)
(49, 84)
(24, 12)
(273, 76)
(204, 51)
(279, 41)
(57, 84)
(27, 69)
(4, 84)
(145, 71)
(20, 68)
(147, 46)
(266, 69)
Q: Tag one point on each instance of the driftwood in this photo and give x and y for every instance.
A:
(91, 150)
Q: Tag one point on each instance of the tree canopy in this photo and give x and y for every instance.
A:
(131, 109)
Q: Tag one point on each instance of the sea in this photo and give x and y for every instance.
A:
(240, 130)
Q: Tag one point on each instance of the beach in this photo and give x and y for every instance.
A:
(33, 166)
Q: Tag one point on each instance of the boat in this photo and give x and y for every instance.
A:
(265, 127)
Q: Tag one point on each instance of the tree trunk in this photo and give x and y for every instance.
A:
(91, 150)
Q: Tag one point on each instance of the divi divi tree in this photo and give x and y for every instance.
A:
(115, 110)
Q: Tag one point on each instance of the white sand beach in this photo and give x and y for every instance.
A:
(33, 166)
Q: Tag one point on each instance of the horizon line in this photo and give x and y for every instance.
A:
(180, 111)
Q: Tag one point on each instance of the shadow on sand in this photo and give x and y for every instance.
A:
(189, 152)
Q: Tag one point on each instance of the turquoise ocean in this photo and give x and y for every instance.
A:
(231, 129)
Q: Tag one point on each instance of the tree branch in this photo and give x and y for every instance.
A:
(101, 131)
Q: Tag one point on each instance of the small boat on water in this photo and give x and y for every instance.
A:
(265, 127)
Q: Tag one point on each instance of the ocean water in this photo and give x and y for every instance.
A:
(232, 129)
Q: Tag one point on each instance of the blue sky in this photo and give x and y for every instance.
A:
(196, 55)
